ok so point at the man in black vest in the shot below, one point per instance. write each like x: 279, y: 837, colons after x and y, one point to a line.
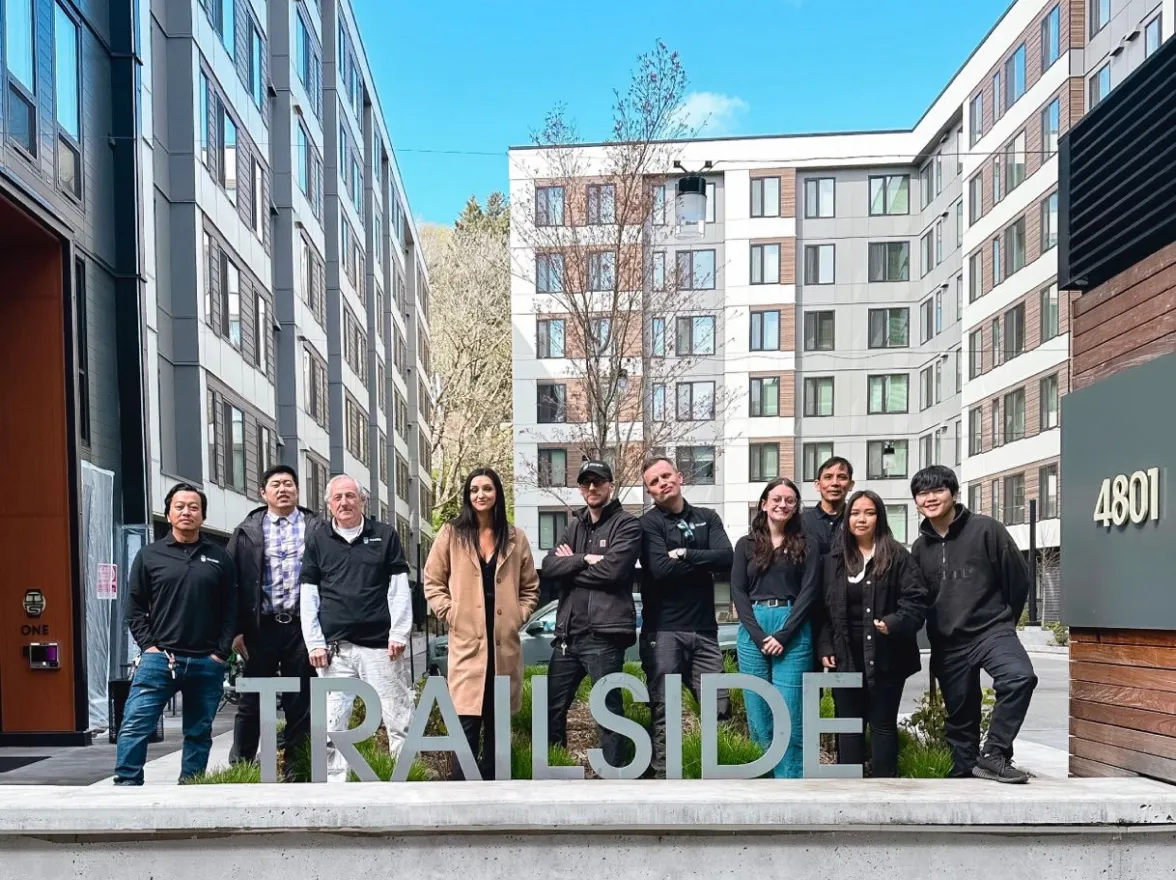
x: 267, y: 551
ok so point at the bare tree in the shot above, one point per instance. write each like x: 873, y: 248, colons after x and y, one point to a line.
x: 469, y: 270
x: 617, y: 307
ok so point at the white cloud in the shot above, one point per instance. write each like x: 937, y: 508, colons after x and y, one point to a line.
x: 711, y: 113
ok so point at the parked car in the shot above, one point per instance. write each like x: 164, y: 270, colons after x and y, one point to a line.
x: 538, y: 633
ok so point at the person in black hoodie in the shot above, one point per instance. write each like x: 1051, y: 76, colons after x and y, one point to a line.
x: 597, y: 618
x: 876, y: 600
x: 684, y: 547
x: 982, y: 583
x: 267, y: 550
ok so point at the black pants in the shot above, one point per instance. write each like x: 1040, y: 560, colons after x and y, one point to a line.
x: 595, y: 656
x: 957, y: 667
x: 276, y: 649
x: 877, y: 706
x: 688, y: 654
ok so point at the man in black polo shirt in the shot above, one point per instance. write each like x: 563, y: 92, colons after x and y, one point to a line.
x: 683, y: 548
x: 357, y: 613
x: 824, y: 520
x: 182, y: 614
x: 267, y: 552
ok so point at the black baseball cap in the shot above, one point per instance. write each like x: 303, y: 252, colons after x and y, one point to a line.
x: 597, y: 469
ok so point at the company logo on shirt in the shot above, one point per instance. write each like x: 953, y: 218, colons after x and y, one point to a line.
x: 603, y: 543
x: 204, y: 558
x: 372, y: 540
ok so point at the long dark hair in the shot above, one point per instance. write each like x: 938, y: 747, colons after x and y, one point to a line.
x: 761, y: 533
x: 465, y: 524
x: 886, y: 548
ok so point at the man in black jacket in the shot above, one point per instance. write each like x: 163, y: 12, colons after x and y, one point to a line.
x: 826, y: 518
x: 182, y: 614
x: 684, y: 548
x: 267, y: 551
x: 597, y: 619
x: 982, y: 584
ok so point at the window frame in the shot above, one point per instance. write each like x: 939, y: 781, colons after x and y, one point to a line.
x: 1049, y: 387
x: 695, y: 335
x: 693, y: 402
x: 871, y: 474
x: 813, y: 386
x: 755, y: 469
x: 558, y: 400
x: 600, y: 204
x: 760, y: 397
x: 813, y: 455
x: 758, y: 341
x: 761, y: 184
x: 815, y: 183
x: 887, y: 380
x: 886, y: 249
x: 902, y: 182
x: 818, y: 317
x: 690, y: 469
x: 887, y: 310
x: 818, y: 250
x: 761, y: 260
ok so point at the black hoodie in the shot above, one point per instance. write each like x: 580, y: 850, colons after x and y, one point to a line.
x: 977, y: 572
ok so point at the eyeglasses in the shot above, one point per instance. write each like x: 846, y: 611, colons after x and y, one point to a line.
x: 687, y: 531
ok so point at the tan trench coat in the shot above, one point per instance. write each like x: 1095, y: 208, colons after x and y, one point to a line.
x: 453, y: 587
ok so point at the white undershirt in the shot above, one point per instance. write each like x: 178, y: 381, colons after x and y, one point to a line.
x: 866, y: 557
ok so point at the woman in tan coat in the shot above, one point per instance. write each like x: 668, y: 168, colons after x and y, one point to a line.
x: 481, y: 577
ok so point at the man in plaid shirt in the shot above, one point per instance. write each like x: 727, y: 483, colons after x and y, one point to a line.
x: 267, y: 550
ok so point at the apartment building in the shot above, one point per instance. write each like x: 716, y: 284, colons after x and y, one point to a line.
x: 287, y: 301
x: 886, y: 296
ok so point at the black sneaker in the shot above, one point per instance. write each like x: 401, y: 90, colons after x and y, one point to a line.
x: 999, y: 769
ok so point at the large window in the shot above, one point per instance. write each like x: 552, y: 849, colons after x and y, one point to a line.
x: 553, y: 467
x: 657, y: 336
x: 1050, y: 313
x: 1051, y: 27
x: 1014, y: 499
x: 697, y: 464
x: 1014, y: 332
x: 764, y: 462
x: 1100, y: 15
x: 890, y: 261
x: 1014, y: 416
x: 1047, y: 489
x: 1100, y: 84
x: 997, y: 263
x: 549, y: 206
x: 696, y: 270
x: 889, y: 328
x: 231, y: 328
x: 818, y: 396
x: 928, y: 252
x: 1051, y: 122
x: 1015, y: 162
x: 551, y: 527
x: 765, y: 331
x: 815, y: 455
x: 1049, y: 222
x: 975, y: 497
x: 695, y: 401
x: 976, y: 119
x: 657, y: 396
x: 695, y: 335
x: 602, y: 204
x: 602, y: 271
x: 1015, y: 246
x: 303, y: 149
x: 1015, y: 76
x: 256, y: 68
x: 976, y: 198
x: 975, y: 354
x: 67, y: 85
x: 888, y: 394
x: 890, y: 194
x: 1049, y: 402
x: 553, y: 404
x: 551, y: 336
x: 765, y: 397
x: 549, y: 273
x: 19, y: 42
x: 224, y: 20
x: 975, y: 431
x: 819, y: 197
x: 765, y: 264
x: 819, y: 331
x: 765, y: 197
x: 235, y: 460
x: 819, y: 263
x: 886, y: 460
x: 1152, y: 35
x: 264, y: 332
x: 227, y: 166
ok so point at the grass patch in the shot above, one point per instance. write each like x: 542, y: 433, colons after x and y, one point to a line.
x: 383, y: 764
x: 735, y: 747
x: 521, y: 754
x: 235, y: 774
x: 921, y: 760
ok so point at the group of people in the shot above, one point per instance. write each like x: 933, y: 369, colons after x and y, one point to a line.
x: 298, y: 595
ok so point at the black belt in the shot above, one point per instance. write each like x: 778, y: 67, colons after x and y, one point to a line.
x: 772, y: 603
x: 282, y: 616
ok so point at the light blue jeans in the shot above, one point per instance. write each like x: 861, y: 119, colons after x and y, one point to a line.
x: 786, y: 673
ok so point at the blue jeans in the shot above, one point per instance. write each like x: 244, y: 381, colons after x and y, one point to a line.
x: 786, y: 673
x: 201, y: 682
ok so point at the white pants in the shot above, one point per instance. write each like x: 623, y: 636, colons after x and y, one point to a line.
x: 388, y: 677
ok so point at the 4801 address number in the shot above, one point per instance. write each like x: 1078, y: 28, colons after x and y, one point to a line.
x: 1123, y: 497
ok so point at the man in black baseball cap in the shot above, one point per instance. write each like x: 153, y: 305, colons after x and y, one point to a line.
x: 597, y: 619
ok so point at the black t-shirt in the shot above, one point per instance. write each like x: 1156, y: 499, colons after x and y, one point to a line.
x: 824, y: 527
x: 678, y: 595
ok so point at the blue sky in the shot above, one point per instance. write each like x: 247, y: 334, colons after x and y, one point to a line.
x: 463, y: 80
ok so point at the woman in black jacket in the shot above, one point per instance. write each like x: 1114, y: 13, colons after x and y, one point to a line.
x: 876, y: 600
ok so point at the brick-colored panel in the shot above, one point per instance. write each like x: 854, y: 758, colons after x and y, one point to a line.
x: 577, y: 402
x: 1074, y: 23
x: 1077, y: 103
x: 788, y: 328
x: 993, y: 433
x: 788, y: 261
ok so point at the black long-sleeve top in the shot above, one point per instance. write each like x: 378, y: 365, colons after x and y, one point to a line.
x: 183, y: 598
x: 799, y: 583
x: 678, y: 595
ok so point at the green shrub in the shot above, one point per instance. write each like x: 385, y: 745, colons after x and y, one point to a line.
x: 928, y: 721
x: 234, y: 774
x: 734, y: 747
x: 1061, y: 633
x: 738, y: 704
x: 521, y: 753
x: 919, y: 760
x: 828, y: 710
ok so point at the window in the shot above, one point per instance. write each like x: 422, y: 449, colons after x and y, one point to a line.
x: 659, y: 205
x: 997, y: 180
x: 890, y: 195
x: 695, y: 335
x: 938, y: 311
x: 264, y: 333
x: 402, y: 478
x: 975, y: 431
x: 927, y: 313
x: 20, y: 42
x: 818, y: 263
x: 1014, y: 416
x: 959, y: 148
x: 599, y: 336
x: 975, y: 493
x: 1051, y: 121
x: 659, y: 270
x: 224, y: 20
x: 1051, y: 312
x: 1014, y: 332
x: 1049, y: 402
x: 1049, y: 222
x: 258, y: 200
x: 1015, y: 162
x: 818, y: 396
x: 939, y: 380
x: 765, y: 331
x: 959, y: 285
x: 697, y: 464
x: 553, y: 467
x: 549, y: 206
x: 1050, y: 38
x: 227, y: 167
x: 889, y: 328
x: 975, y: 278
x: 976, y: 197
x: 928, y: 253
x: 696, y: 401
x: 1100, y: 84
x: 551, y: 527
x: 975, y: 354
x: 658, y: 397
x: 551, y: 335
x: 549, y: 273
x: 696, y: 270
x: 888, y: 394
x: 553, y: 404
x: 896, y: 518
x: 765, y: 397
x: 265, y: 451
x: 819, y: 331
x: 602, y: 204
x: 1014, y: 499
x: 315, y: 384
x: 65, y: 54
x: 711, y: 203
x: 256, y: 80
x: 938, y: 173
x: 235, y: 460
x: 890, y: 261
x: 765, y: 264
x: 886, y: 460
x: 997, y: 344
x: 819, y: 197
x: 976, y: 118
x: 925, y: 389
x: 1152, y: 36
x: 938, y: 242
x: 1047, y: 489
x: 815, y: 455
x: 1100, y: 14
x: 926, y: 184
x: 959, y: 442
x: 959, y: 222
x: 925, y: 453
x: 1015, y: 75
x: 765, y: 462
x: 657, y: 333
x: 303, y: 159
x: 997, y: 265
x: 231, y: 328
x: 83, y: 350
x: 1015, y: 246
x: 765, y: 197
x: 997, y: 97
